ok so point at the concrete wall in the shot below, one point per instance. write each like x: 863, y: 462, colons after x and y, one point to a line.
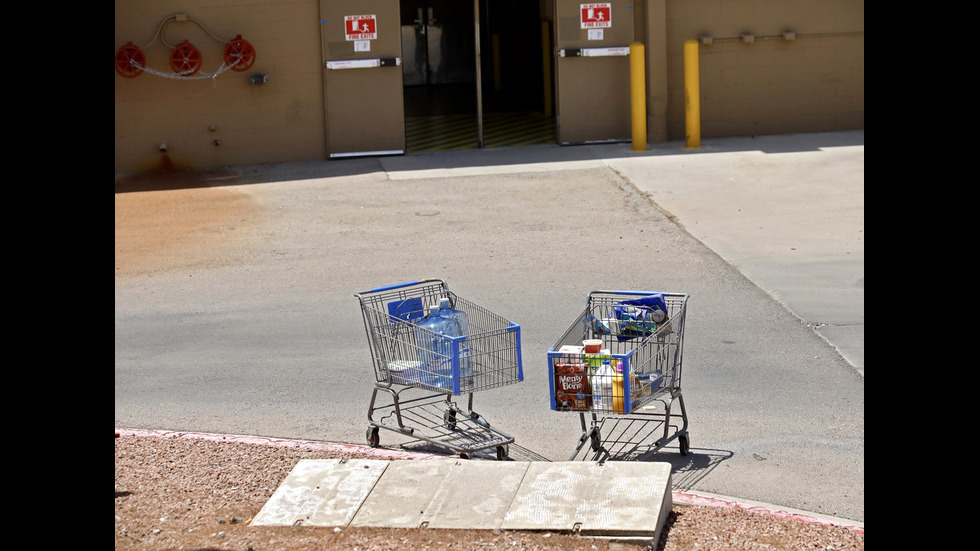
x: 814, y: 83
x: 282, y: 120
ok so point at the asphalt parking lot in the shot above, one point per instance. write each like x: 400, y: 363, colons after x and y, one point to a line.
x: 243, y: 320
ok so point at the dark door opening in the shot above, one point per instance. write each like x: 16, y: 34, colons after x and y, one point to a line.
x: 450, y: 103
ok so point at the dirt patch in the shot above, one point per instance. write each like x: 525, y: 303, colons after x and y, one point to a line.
x: 166, y: 229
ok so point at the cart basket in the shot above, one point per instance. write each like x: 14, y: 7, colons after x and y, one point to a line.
x: 488, y: 356
x: 641, y: 332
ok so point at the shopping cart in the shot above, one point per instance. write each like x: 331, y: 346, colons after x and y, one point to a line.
x: 642, y: 332
x: 489, y: 356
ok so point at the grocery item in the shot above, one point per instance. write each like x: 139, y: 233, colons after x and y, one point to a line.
x: 592, y: 346
x: 638, y: 317
x: 458, y: 316
x: 462, y: 329
x: 595, y: 325
x: 435, y: 351
x: 602, y: 387
x: 617, y: 390
x: 643, y: 385
x: 595, y: 360
x: 570, y: 353
x: 654, y: 304
x: 634, y: 382
x: 572, y: 391
x: 404, y: 372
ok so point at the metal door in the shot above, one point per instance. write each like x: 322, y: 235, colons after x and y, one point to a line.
x: 593, y: 70
x: 362, y: 77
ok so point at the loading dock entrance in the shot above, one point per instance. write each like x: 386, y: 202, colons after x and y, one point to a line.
x: 476, y: 74
x: 421, y: 75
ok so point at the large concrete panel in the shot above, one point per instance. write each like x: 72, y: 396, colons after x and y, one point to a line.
x: 613, y: 498
x: 402, y: 496
x: 322, y: 492
x: 476, y: 494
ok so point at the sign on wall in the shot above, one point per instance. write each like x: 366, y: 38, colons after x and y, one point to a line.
x: 595, y: 16
x: 361, y: 27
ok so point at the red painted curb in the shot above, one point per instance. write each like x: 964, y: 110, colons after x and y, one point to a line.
x: 690, y: 498
x: 374, y: 453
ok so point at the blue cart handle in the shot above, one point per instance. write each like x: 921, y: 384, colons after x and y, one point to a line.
x: 646, y: 293
x: 398, y: 286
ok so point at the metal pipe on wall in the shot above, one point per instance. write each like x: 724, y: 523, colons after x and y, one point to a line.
x: 479, y: 74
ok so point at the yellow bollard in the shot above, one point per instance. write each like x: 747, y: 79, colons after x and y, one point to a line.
x: 638, y: 96
x: 692, y: 94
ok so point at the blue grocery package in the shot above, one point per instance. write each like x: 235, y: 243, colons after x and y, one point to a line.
x: 640, y: 317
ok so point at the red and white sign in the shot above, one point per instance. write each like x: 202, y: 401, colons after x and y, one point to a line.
x: 361, y: 27
x: 596, y: 16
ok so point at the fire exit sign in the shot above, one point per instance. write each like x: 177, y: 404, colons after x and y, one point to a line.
x: 361, y: 27
x: 596, y: 15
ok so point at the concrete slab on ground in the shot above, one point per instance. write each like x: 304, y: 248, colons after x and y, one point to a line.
x: 611, y: 499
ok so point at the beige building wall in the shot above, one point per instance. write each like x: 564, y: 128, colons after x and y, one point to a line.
x: 814, y: 83
x: 226, y: 120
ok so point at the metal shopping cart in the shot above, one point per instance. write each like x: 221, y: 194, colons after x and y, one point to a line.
x: 488, y: 356
x: 643, y: 334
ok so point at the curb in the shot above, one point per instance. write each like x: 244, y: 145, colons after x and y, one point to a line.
x: 373, y: 453
x: 679, y: 497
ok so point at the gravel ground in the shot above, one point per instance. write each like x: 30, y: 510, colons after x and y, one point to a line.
x: 176, y: 492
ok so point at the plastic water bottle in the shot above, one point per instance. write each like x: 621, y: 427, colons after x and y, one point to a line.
x: 602, y: 387
x: 458, y: 315
x: 435, y: 352
x: 462, y: 329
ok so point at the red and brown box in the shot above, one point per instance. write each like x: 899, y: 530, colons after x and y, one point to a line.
x: 572, y: 392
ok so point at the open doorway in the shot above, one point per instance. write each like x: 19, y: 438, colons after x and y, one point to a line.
x: 451, y: 101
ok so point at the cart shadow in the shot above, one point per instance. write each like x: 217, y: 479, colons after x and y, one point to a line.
x: 687, y: 470
x: 515, y: 452
x: 644, y: 438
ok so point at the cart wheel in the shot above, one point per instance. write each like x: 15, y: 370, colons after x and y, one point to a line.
x: 596, y: 440
x: 464, y: 455
x: 373, y: 439
x: 684, y: 442
x: 502, y: 453
x: 449, y: 419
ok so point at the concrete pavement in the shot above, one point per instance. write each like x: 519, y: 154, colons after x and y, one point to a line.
x: 787, y: 211
x: 794, y: 226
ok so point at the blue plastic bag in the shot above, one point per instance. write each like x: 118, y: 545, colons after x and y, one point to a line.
x: 640, y: 317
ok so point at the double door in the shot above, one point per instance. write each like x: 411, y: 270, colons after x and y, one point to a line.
x: 488, y: 54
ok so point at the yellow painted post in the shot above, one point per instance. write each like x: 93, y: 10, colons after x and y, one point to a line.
x: 638, y: 95
x: 692, y: 94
